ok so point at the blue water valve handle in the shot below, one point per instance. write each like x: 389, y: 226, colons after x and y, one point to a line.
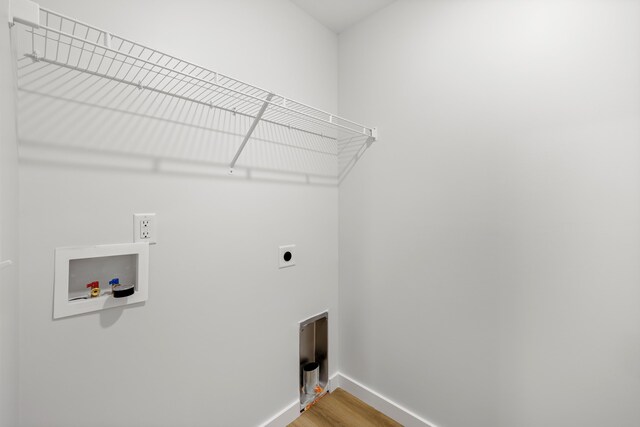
x: 115, y: 281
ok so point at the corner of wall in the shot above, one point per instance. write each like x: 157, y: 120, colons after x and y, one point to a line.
x: 9, y: 385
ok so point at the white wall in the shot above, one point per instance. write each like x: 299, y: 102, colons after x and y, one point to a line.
x: 8, y: 234
x: 217, y: 341
x: 489, y: 242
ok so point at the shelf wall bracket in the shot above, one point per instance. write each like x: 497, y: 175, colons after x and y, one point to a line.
x: 24, y: 11
x: 250, y: 131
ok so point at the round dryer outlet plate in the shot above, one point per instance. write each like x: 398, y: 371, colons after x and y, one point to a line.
x: 286, y: 256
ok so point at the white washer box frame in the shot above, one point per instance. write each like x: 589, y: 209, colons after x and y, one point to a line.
x: 62, y: 307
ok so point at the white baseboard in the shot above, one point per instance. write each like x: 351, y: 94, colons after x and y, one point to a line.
x: 291, y: 412
x: 284, y: 417
x: 381, y: 403
x: 362, y: 392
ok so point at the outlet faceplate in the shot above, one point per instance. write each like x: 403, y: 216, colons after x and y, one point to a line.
x: 144, y: 228
x: 286, y: 256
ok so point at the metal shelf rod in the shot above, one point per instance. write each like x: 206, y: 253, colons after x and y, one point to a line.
x: 218, y: 75
x: 100, y: 67
x: 161, y: 92
x: 224, y: 88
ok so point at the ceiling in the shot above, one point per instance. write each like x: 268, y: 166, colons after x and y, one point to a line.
x: 338, y: 15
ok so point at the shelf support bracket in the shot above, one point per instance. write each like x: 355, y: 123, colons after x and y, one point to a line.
x: 25, y: 12
x: 256, y: 120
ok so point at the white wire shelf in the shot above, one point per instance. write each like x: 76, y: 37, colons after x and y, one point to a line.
x: 52, y: 41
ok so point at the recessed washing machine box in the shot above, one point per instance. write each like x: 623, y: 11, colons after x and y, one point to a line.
x: 92, y: 278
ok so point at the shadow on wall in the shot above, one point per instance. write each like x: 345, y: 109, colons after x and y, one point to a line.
x: 74, y: 118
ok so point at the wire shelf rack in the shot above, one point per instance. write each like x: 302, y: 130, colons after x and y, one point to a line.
x: 57, y: 42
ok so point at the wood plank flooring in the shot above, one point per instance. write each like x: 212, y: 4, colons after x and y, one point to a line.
x: 341, y: 409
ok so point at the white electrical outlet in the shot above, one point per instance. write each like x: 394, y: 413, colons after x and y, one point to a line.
x: 286, y: 256
x: 144, y: 228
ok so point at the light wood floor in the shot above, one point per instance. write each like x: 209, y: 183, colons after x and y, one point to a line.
x: 341, y: 409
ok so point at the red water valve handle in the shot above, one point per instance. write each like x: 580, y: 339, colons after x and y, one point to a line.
x: 93, y: 285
